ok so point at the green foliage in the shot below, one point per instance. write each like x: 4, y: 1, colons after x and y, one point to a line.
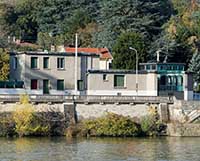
x: 117, y: 16
x: 151, y: 126
x: 169, y: 25
x: 194, y: 67
x: 4, y: 64
x: 181, y: 37
x: 124, y: 58
x: 7, y: 125
x: 44, y: 40
x: 111, y: 125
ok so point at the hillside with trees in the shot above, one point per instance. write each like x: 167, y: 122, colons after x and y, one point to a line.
x: 172, y: 26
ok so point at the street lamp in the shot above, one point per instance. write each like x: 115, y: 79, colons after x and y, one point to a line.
x: 136, y: 68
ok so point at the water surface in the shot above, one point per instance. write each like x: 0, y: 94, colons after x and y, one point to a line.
x: 100, y: 149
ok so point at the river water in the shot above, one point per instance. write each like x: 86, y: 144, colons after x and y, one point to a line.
x: 100, y: 149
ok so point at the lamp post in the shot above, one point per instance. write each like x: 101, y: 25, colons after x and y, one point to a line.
x: 136, y: 68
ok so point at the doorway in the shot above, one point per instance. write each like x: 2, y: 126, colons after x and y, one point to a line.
x: 46, y: 86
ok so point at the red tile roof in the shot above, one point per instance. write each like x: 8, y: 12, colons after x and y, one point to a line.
x: 103, y: 52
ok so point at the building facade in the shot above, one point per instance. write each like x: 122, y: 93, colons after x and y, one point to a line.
x: 122, y: 82
x: 54, y: 72
x: 57, y: 73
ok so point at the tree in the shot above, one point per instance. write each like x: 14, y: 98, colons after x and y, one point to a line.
x: 4, y: 64
x: 194, y: 67
x: 78, y: 21
x: 181, y: 35
x: 51, y: 14
x: 117, y: 16
x: 124, y: 58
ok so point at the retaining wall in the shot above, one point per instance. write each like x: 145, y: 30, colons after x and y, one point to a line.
x: 85, y: 111
x: 183, y: 129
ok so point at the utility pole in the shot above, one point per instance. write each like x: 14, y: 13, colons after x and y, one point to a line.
x: 136, y: 68
x: 76, y: 63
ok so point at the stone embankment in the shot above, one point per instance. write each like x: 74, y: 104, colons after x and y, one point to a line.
x: 183, y: 130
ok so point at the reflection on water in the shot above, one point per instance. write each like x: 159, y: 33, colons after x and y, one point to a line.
x: 100, y: 149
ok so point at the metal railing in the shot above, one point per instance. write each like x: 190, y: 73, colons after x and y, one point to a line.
x: 88, y: 98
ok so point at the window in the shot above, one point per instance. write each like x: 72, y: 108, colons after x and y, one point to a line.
x: 153, y: 67
x: 34, y: 84
x: 46, y: 62
x: 60, y: 85
x: 119, y: 81
x: 80, y: 85
x: 163, y: 80
x: 15, y: 63
x: 60, y: 63
x: 34, y: 62
x: 105, y: 77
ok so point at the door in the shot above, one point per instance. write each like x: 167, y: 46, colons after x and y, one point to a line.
x: 46, y: 86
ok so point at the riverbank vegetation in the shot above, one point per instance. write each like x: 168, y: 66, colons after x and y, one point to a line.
x: 113, y: 125
x: 25, y: 121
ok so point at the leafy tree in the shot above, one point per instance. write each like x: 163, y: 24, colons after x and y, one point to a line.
x: 44, y: 40
x: 124, y: 58
x: 4, y: 65
x: 181, y: 36
x: 78, y: 20
x: 194, y: 67
x: 51, y: 14
x: 117, y: 16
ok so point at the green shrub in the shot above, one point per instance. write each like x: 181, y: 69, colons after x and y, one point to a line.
x: 151, y: 126
x: 111, y: 125
x: 7, y: 125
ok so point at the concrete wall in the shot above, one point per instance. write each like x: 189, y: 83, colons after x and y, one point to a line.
x: 85, y: 111
x: 188, y: 86
x: 19, y: 72
x: 104, y: 64
x: 181, y: 110
x: 147, y: 84
x: 183, y: 129
x: 42, y: 107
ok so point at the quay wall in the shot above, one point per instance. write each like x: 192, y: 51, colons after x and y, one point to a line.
x: 85, y: 111
x: 183, y: 129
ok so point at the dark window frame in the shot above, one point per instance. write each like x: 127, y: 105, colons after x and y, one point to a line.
x: 61, y: 63
x: 60, y: 87
x: 46, y: 60
x: 15, y: 63
x: 80, y: 85
x: 33, y: 64
x: 118, y: 84
x: 34, y: 84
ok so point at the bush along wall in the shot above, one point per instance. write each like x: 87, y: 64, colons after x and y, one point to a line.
x: 24, y: 121
x: 114, y: 125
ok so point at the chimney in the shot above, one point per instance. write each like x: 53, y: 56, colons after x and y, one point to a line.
x: 158, y: 55
x: 53, y: 48
x: 61, y: 48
